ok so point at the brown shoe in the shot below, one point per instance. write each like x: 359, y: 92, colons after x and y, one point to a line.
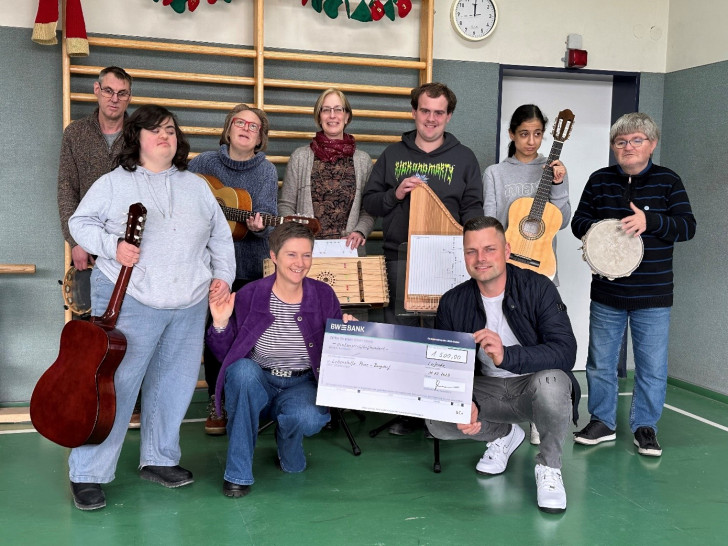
x: 215, y: 425
x: 136, y: 418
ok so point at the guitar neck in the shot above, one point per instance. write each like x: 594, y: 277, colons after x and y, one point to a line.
x: 238, y: 215
x: 108, y: 319
x: 544, y: 186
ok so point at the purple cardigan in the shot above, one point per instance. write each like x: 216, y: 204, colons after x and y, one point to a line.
x: 251, y: 317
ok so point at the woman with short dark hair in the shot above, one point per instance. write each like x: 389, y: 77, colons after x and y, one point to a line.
x: 186, y: 253
x: 269, y: 337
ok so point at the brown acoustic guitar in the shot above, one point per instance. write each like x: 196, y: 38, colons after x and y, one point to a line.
x: 533, y: 222
x: 74, y: 401
x: 237, y: 206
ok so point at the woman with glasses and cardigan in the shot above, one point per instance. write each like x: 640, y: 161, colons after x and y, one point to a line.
x: 326, y: 178
x: 241, y: 163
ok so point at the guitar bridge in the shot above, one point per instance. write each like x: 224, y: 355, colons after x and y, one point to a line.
x: 525, y: 260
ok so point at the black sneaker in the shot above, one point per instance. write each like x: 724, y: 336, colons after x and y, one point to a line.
x: 646, y: 442
x: 594, y: 433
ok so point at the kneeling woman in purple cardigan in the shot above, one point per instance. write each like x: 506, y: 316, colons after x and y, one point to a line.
x: 269, y: 338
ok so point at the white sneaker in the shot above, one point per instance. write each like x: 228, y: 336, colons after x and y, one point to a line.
x: 535, y: 436
x: 495, y: 458
x: 550, y: 492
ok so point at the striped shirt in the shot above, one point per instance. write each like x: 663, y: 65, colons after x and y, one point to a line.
x: 660, y: 194
x: 281, y: 345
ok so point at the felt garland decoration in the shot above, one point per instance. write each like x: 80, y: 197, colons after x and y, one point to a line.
x: 180, y: 5
x: 365, y: 11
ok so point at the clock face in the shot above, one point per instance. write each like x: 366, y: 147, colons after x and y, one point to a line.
x: 474, y: 19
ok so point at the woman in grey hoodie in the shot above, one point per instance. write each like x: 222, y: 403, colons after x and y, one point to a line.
x: 519, y: 175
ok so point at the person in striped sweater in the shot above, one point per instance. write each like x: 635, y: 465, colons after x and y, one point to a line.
x: 651, y: 203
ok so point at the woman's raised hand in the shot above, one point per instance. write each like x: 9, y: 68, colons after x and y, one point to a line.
x: 221, y: 309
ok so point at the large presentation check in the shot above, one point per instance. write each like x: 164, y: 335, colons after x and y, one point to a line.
x: 419, y: 372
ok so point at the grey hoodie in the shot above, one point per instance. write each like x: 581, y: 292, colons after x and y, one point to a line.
x: 186, y: 239
x: 512, y: 179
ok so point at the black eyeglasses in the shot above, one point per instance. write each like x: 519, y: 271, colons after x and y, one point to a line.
x: 635, y: 142
x: 108, y: 92
x: 326, y: 110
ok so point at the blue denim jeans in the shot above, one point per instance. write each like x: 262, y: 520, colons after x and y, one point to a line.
x: 163, y: 353
x: 543, y: 398
x: 650, y: 331
x: 251, y: 393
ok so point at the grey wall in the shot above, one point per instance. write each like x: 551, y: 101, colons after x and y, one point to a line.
x: 31, y: 311
x: 693, y: 145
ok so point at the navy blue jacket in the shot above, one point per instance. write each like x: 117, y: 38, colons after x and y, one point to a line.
x: 536, y: 315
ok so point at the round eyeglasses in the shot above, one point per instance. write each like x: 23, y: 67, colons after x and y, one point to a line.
x: 244, y: 124
x: 635, y: 142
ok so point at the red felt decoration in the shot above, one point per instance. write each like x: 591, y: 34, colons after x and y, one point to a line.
x: 377, y: 9
x: 192, y: 4
x: 403, y: 7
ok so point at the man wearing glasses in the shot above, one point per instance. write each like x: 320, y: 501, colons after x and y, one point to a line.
x: 88, y: 150
x: 651, y: 203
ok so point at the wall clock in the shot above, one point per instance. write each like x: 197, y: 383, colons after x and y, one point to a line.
x: 474, y: 19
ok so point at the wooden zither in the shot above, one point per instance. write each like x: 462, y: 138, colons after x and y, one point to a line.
x: 428, y: 216
x: 356, y: 281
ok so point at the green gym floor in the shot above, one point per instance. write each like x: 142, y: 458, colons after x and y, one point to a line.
x: 389, y: 495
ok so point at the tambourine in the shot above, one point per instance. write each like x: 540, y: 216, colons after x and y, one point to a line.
x: 610, y: 251
x: 76, y: 287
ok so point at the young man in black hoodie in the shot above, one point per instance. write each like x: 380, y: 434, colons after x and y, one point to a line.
x: 427, y: 155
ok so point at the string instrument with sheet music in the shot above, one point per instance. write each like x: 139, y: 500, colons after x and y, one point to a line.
x: 237, y: 206
x: 356, y: 281
x: 74, y: 401
x: 428, y: 216
x: 532, y: 221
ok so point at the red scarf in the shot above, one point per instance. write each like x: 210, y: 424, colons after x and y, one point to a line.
x: 328, y: 151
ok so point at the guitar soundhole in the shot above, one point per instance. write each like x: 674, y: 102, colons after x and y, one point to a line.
x: 326, y: 276
x: 531, y: 229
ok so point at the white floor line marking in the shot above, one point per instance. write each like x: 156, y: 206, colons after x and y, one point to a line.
x: 620, y: 394
x: 696, y: 417
x: 680, y: 411
x: 27, y: 430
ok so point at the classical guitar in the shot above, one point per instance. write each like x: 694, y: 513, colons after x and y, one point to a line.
x: 532, y: 221
x: 74, y: 401
x: 238, y: 207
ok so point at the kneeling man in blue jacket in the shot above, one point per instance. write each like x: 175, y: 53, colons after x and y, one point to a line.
x: 526, y: 351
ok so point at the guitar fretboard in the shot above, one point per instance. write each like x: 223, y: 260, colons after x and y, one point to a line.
x: 238, y: 215
x: 544, y: 186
